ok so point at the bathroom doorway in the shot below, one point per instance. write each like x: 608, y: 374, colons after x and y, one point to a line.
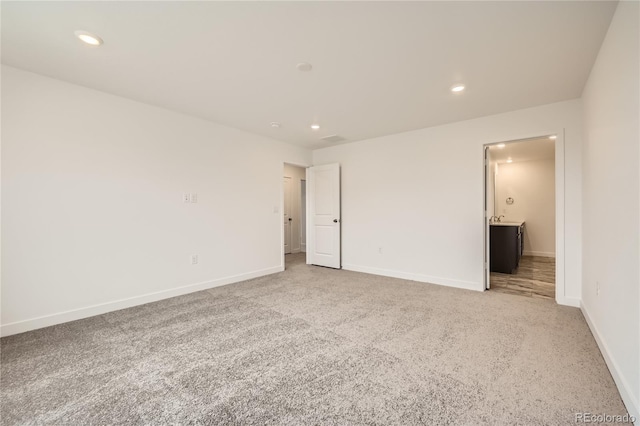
x: 294, y: 231
x: 520, y: 208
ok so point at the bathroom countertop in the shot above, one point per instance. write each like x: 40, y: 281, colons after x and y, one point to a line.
x: 507, y: 223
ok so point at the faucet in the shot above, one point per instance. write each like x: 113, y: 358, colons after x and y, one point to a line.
x: 495, y: 219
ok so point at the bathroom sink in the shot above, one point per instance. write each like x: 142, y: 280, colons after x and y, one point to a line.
x: 507, y: 223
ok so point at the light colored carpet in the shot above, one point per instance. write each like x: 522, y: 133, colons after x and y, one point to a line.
x: 313, y: 346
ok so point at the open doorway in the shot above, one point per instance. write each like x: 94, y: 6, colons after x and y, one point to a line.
x: 520, y: 208
x: 294, y: 214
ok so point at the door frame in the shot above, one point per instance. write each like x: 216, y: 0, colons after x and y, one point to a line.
x: 284, y: 224
x: 281, y: 209
x: 561, y: 297
x: 487, y: 253
x: 303, y: 214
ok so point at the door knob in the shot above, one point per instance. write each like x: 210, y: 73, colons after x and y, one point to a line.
x: 335, y: 220
x: 290, y: 219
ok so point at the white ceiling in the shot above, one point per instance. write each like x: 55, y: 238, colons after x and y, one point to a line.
x: 528, y: 150
x: 378, y: 67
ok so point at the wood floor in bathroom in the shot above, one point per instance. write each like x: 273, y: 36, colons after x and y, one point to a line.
x: 535, y: 277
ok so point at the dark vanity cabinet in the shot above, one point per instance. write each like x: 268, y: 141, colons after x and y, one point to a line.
x: 506, y: 247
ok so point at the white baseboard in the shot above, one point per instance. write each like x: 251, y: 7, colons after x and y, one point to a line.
x: 631, y: 401
x: 467, y: 285
x: 103, y: 308
x: 568, y: 301
x: 538, y: 253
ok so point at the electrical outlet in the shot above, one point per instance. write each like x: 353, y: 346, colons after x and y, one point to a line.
x: 194, y: 198
x: 379, y: 250
x: 597, y: 288
x: 186, y: 197
x: 194, y: 259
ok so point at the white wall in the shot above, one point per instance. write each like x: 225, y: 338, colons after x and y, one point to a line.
x: 93, y: 217
x: 297, y: 175
x: 531, y: 184
x: 611, y: 202
x: 419, y: 196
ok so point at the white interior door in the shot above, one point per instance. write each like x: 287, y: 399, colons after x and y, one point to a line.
x: 323, y: 224
x: 488, y: 210
x: 287, y: 215
x: 303, y: 215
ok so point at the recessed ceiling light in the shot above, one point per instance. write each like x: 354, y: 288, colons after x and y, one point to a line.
x: 457, y: 88
x: 315, y: 127
x: 552, y: 137
x: 88, y: 38
x: 304, y: 66
x: 275, y: 124
x: 500, y: 145
x: 509, y: 160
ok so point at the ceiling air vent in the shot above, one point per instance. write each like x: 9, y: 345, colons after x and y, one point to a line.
x: 333, y: 138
